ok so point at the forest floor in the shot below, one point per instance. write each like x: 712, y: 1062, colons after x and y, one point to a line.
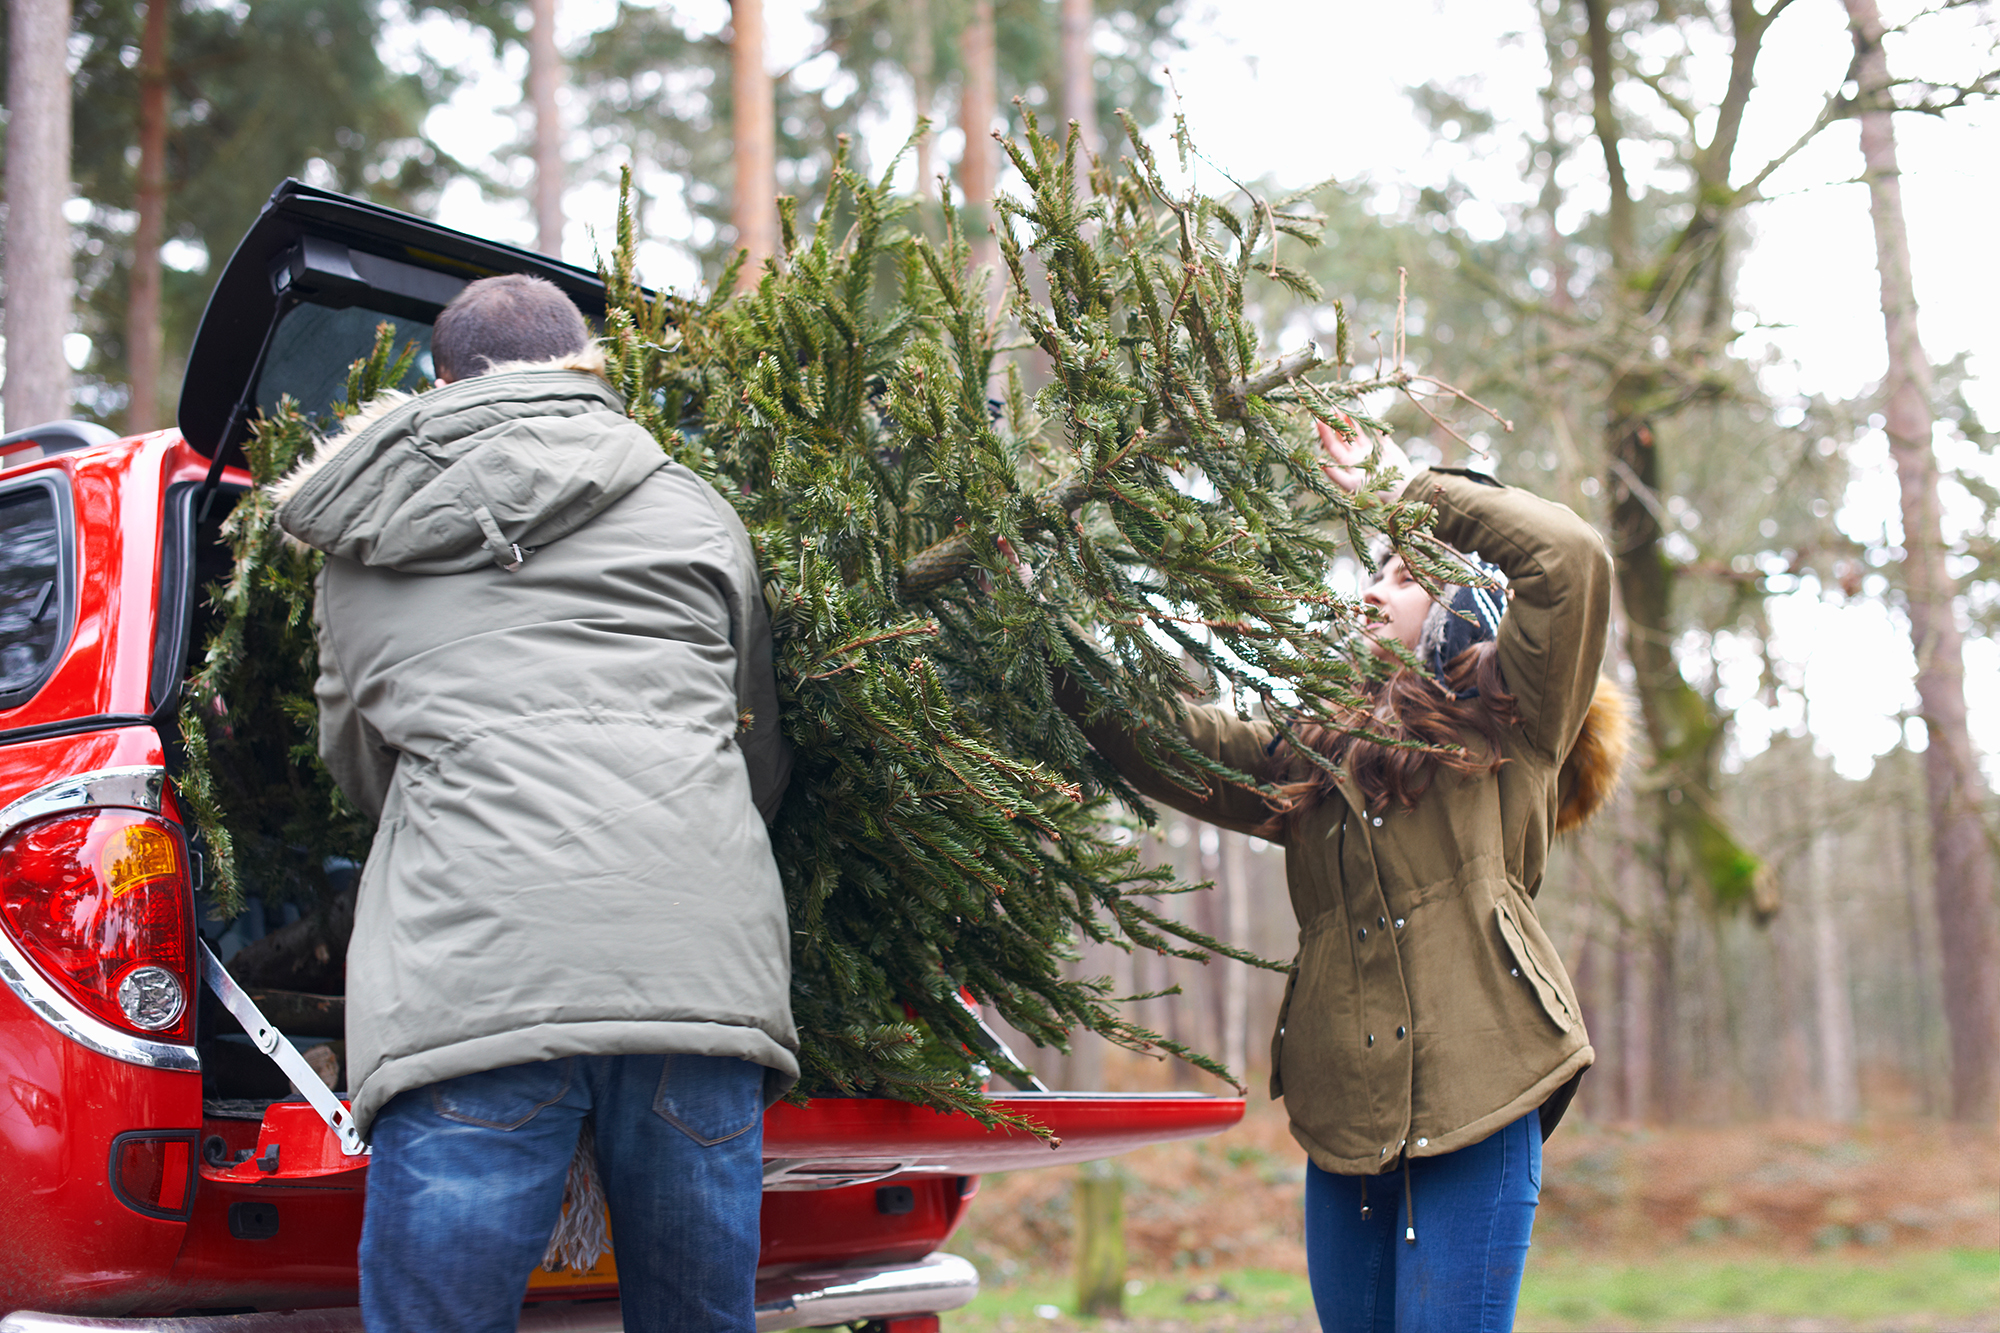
x: 1776, y: 1226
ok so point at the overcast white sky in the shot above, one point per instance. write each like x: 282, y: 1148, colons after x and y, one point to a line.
x: 1302, y: 90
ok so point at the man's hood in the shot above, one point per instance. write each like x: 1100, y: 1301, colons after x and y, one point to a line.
x: 481, y: 470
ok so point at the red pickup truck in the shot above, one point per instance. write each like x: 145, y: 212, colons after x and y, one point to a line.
x: 142, y: 1189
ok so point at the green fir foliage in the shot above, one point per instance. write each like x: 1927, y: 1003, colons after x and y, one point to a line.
x: 270, y: 815
x: 940, y: 546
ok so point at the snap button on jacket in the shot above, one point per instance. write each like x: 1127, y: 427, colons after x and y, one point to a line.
x: 1465, y: 969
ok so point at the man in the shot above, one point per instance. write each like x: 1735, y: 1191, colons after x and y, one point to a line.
x: 545, y: 667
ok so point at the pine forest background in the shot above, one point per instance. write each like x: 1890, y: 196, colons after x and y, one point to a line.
x: 1751, y: 936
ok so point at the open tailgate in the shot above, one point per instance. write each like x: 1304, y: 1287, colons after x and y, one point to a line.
x: 834, y: 1141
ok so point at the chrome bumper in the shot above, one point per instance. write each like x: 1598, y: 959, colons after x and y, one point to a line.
x: 796, y: 1300
x: 933, y: 1285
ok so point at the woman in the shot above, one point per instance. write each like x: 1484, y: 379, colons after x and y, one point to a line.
x: 1429, y: 1037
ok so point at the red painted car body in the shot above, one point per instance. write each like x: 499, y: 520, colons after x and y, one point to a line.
x: 112, y: 1207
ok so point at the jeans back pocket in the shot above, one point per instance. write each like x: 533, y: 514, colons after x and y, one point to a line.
x: 506, y: 1098
x: 710, y: 1098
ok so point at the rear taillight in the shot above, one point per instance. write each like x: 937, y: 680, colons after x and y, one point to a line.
x: 100, y: 903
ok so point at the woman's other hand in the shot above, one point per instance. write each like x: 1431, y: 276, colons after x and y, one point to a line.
x: 1346, y: 460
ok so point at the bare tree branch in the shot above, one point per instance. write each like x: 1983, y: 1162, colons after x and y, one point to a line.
x: 1834, y: 108
x: 1679, y: 105
x: 1604, y: 117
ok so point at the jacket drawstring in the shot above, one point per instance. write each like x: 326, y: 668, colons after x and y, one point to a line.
x: 1364, y: 1198
x: 1409, y: 1205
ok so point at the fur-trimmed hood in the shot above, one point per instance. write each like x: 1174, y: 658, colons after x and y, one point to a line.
x: 590, y: 361
x: 482, y: 469
x: 1592, y: 772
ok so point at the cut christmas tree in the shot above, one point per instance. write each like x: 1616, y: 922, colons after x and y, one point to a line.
x: 937, y: 543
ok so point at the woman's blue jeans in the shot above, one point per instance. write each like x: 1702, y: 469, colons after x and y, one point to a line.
x: 1475, y: 1209
x: 467, y: 1183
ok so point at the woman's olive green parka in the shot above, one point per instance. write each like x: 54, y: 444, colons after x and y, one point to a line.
x: 1427, y: 1007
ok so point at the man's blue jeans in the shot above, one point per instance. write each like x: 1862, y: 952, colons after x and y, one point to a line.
x: 467, y: 1183
x: 1475, y: 1209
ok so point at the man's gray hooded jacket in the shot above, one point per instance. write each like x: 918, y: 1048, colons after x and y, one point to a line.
x: 545, y: 666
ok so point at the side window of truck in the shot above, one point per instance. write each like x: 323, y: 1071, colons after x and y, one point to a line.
x: 33, y: 591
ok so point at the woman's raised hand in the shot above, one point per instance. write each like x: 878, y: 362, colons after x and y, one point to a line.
x: 1346, y: 459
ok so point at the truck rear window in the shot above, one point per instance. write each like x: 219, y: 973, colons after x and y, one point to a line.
x: 314, y: 346
x: 31, y: 592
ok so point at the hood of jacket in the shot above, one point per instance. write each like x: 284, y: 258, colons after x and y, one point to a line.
x: 1592, y: 770
x: 480, y: 470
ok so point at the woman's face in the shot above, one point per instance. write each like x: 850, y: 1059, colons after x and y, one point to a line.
x: 1402, y: 599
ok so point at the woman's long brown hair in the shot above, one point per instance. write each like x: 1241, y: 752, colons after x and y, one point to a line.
x: 1409, y: 708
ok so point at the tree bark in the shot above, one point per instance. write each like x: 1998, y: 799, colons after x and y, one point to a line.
x: 1962, y: 871
x: 1663, y: 1017
x: 1840, y: 1088
x: 1635, y: 1037
x: 754, y: 208
x: 1100, y: 1241
x: 923, y: 88
x: 143, y: 340
x: 1604, y: 117
x: 1684, y: 732
x: 39, y: 280
x: 1587, y: 973
x: 309, y: 955
x: 1898, y: 835
x: 1079, y: 81
x: 979, y: 105
x: 1791, y: 1081
x: 545, y: 72
x: 1788, y: 806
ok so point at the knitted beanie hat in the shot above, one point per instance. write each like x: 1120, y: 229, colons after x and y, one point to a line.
x: 1465, y: 615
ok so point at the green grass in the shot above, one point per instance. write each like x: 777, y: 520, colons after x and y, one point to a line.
x: 1564, y: 1292
x: 1572, y: 1292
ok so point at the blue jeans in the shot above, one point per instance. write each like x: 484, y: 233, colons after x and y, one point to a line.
x: 467, y: 1183
x: 1475, y: 1209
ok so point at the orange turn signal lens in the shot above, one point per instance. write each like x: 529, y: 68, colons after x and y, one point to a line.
x: 137, y: 855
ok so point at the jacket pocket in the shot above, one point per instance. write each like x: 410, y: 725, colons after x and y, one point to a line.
x: 710, y: 1098
x: 1278, y: 1033
x: 1316, y: 1060
x: 502, y: 1098
x: 1542, y: 976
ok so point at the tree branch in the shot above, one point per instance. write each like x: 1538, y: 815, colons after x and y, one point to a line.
x: 1834, y: 108
x: 1679, y: 105
x: 1714, y: 200
x: 1749, y: 27
x: 941, y: 562
x: 1605, y: 119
